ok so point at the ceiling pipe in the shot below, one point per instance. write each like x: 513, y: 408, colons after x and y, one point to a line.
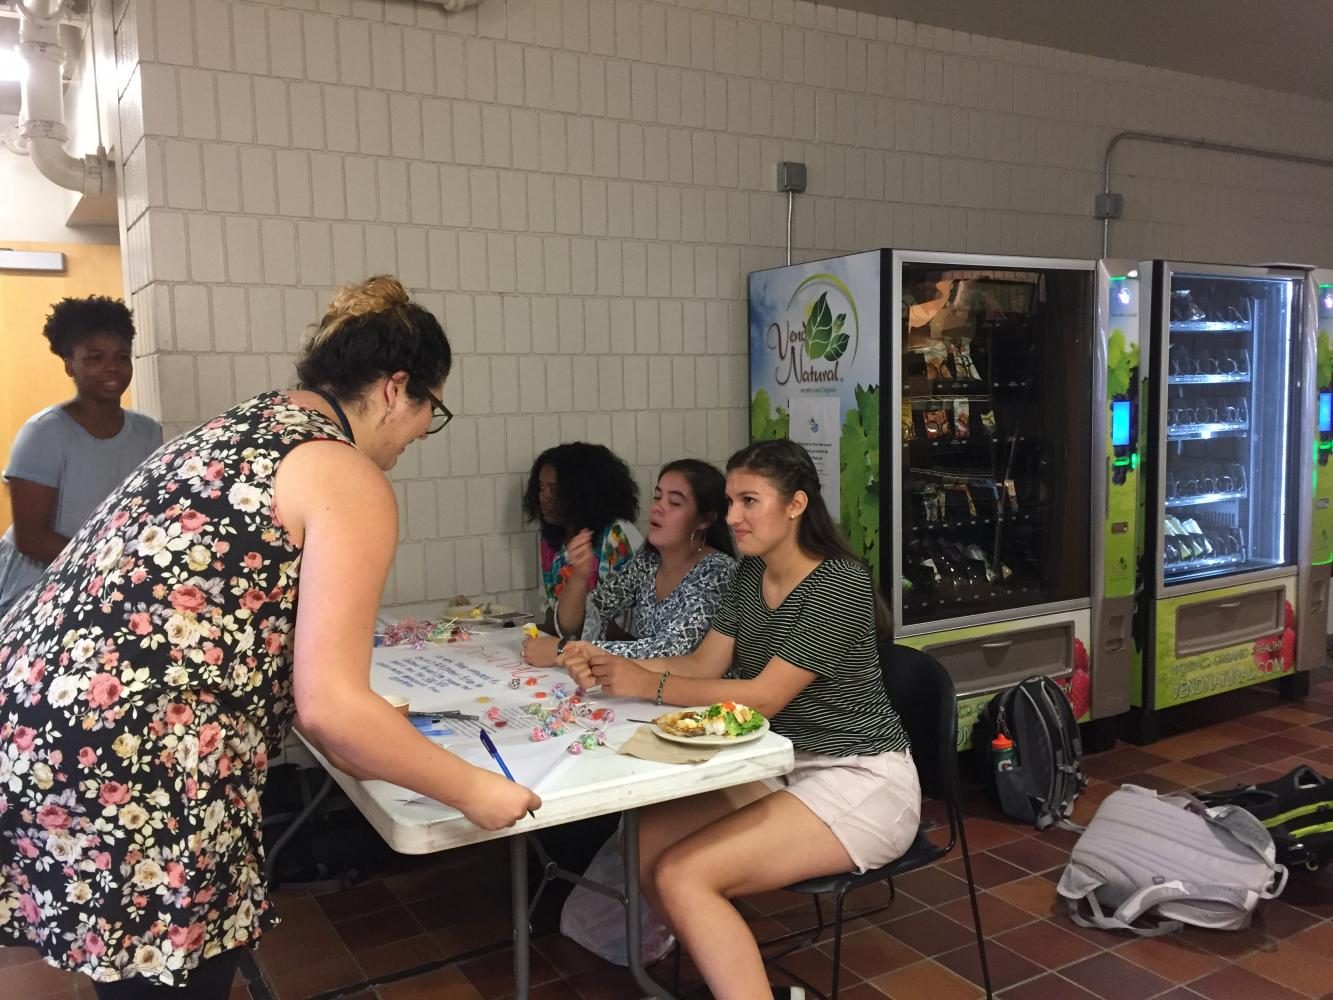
x: 42, y: 118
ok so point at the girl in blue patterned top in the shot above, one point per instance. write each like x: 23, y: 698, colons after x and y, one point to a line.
x: 581, y: 494
x: 671, y: 588
x: 797, y: 637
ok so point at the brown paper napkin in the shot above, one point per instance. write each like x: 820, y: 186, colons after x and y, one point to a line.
x: 646, y: 746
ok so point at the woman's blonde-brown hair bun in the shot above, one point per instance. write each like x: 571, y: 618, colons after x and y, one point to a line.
x: 372, y: 329
x: 379, y: 294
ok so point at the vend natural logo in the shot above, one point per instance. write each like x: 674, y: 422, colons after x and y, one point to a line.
x: 823, y: 337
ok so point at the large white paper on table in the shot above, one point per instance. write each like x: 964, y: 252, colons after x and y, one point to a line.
x: 533, y: 765
x: 435, y: 678
x: 476, y: 679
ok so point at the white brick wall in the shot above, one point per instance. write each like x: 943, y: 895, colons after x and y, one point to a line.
x: 578, y: 187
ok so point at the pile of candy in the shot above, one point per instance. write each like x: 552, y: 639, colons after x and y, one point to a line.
x: 568, y: 711
x: 418, y: 633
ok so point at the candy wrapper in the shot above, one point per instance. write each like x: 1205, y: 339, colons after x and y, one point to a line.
x: 540, y: 735
x: 576, y: 747
x: 531, y: 630
x: 417, y: 633
x: 937, y: 424
x: 961, y: 419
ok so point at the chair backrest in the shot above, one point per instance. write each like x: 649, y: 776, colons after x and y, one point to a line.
x: 922, y: 693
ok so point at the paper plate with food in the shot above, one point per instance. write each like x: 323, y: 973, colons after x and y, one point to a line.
x: 720, y: 724
x: 468, y: 611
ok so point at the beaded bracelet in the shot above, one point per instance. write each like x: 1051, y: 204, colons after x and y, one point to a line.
x: 661, y: 683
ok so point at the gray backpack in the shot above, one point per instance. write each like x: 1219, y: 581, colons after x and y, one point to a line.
x: 1149, y: 863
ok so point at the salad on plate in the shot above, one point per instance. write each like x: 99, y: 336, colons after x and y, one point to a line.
x: 724, y: 718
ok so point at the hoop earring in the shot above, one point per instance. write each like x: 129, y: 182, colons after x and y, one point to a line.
x: 703, y: 538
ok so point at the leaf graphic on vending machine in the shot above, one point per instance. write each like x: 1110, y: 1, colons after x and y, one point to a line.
x: 838, y: 341
x: 765, y: 425
x: 1121, y: 362
x: 854, y: 475
x: 1324, y: 362
x: 818, y: 327
x: 859, y: 452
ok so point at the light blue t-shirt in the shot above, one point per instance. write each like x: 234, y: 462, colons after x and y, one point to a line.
x: 52, y: 449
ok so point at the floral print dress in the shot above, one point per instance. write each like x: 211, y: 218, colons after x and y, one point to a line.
x: 143, y: 681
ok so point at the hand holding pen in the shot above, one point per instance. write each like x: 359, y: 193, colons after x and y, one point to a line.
x: 492, y: 801
x: 490, y: 749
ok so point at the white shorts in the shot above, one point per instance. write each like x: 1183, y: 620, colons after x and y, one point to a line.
x: 872, y: 804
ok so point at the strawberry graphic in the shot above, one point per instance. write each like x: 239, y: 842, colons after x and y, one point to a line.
x: 1288, y: 615
x: 1288, y: 649
x: 1078, y: 685
x: 1267, y: 652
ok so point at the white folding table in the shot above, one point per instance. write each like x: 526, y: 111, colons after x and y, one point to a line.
x: 594, y: 783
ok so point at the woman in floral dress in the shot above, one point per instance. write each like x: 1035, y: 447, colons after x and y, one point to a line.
x: 146, y: 678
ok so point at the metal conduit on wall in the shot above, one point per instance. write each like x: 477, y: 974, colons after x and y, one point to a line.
x: 1108, y: 204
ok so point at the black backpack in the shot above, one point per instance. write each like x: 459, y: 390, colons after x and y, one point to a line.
x: 1047, y: 774
x: 1297, y: 809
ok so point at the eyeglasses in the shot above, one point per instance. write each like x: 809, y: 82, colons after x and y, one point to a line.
x: 440, y: 414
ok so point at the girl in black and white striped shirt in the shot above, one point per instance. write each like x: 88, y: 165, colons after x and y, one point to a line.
x: 797, y: 637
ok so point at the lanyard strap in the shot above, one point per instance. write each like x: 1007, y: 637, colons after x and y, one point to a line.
x: 342, y: 417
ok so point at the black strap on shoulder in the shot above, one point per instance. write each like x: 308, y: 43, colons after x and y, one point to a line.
x: 342, y: 417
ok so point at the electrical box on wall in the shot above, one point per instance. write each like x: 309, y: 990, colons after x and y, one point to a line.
x: 791, y: 177
x: 1108, y: 206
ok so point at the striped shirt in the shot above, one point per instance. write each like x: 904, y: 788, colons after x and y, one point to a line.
x: 826, y: 625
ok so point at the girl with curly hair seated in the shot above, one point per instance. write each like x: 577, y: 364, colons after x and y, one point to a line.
x: 584, y: 501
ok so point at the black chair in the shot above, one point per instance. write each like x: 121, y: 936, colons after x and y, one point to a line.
x: 923, y: 695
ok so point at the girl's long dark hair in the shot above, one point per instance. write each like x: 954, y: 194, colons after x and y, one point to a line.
x: 789, y: 468
x: 710, y: 497
x: 593, y: 488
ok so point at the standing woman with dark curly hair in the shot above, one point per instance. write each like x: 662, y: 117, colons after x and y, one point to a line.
x: 584, y: 500
x: 68, y: 457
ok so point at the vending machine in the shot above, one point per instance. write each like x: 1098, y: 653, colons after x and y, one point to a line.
x: 1233, y: 568
x: 975, y: 423
x: 1313, y: 643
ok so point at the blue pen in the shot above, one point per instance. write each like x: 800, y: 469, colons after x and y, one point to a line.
x: 490, y: 749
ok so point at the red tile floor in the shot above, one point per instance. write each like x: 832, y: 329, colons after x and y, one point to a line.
x: 358, y: 942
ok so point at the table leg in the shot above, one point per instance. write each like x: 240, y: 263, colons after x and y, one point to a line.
x: 271, y: 856
x: 633, y: 920
x: 518, y: 887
